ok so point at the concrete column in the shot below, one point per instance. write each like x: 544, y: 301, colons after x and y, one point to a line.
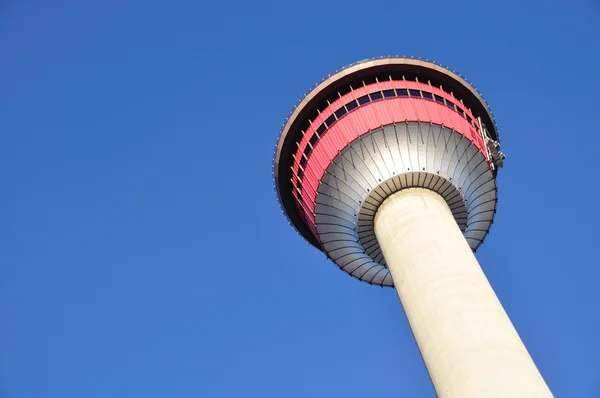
x: 467, y: 341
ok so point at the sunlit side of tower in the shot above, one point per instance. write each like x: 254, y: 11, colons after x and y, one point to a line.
x: 389, y: 167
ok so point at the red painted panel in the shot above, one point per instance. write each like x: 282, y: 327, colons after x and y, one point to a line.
x: 363, y: 90
x: 387, y: 84
x: 360, y: 91
x: 346, y: 128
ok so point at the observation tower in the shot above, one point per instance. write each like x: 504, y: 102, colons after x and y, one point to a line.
x: 389, y: 167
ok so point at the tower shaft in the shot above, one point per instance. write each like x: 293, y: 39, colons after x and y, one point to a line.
x: 466, y: 339
x: 389, y: 167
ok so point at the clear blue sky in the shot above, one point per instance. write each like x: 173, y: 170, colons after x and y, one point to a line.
x: 142, y: 251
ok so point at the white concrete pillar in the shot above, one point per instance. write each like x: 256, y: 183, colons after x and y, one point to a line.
x: 467, y: 341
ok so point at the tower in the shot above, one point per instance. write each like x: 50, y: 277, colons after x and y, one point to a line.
x: 389, y: 167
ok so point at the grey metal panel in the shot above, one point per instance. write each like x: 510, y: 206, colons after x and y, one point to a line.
x: 345, y: 192
x: 464, y: 150
x: 385, y: 161
x: 412, y: 137
x: 334, y: 207
x: 343, y: 244
x: 335, y: 235
x: 326, y: 229
x: 394, y: 147
x: 333, y: 220
x: 380, y: 276
x: 350, y: 259
x: 370, y: 271
x: 387, y: 138
x: 403, y: 145
x: 384, y: 151
x: 353, y: 160
x: 387, y: 281
x: 422, y: 141
x: 376, y: 146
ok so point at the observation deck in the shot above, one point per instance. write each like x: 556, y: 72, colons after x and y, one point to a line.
x: 372, y: 129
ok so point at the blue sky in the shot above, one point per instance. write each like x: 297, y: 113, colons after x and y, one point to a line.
x: 142, y: 251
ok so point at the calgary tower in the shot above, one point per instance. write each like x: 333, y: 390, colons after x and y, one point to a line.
x: 389, y: 167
